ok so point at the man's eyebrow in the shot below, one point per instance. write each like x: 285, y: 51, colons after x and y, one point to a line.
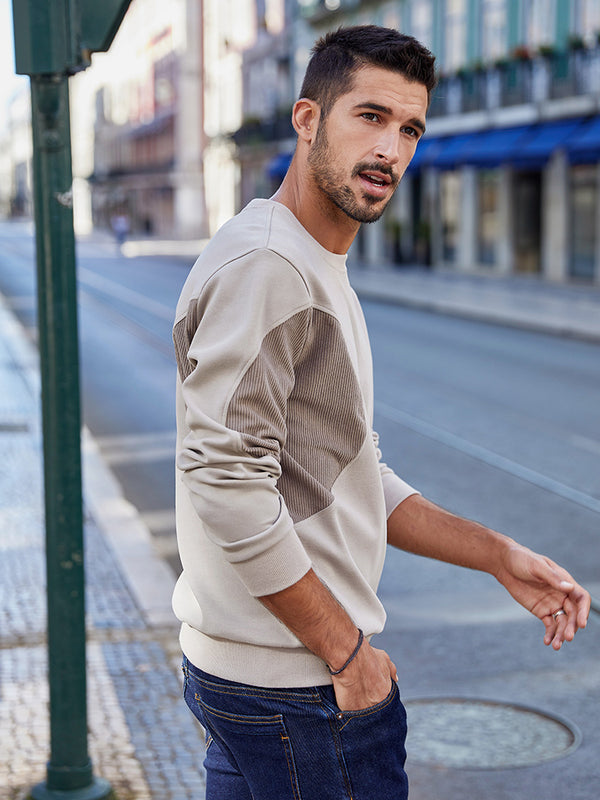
x: 415, y: 122
x: 374, y: 107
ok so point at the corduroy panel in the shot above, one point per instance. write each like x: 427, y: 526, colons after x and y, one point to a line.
x: 258, y: 408
x: 183, y: 333
x: 304, y: 405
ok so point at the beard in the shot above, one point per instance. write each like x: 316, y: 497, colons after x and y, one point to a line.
x: 331, y: 183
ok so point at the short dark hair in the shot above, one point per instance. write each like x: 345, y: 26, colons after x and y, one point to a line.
x: 337, y: 56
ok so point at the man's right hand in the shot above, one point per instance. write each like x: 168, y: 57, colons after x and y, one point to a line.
x: 312, y: 613
x: 366, y: 681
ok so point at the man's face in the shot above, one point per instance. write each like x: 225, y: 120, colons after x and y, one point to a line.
x: 364, y: 145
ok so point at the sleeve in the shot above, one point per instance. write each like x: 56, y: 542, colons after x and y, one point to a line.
x: 395, y: 490
x: 245, y: 333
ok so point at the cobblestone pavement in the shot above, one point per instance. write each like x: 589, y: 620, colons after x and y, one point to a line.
x: 142, y: 738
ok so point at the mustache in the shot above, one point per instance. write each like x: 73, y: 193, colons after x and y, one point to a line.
x: 384, y: 169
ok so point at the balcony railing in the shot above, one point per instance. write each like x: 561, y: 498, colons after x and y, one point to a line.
x: 519, y: 81
x: 257, y: 131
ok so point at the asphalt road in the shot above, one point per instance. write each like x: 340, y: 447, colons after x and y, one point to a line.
x: 497, y: 424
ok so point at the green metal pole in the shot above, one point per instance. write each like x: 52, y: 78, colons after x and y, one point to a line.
x: 69, y: 771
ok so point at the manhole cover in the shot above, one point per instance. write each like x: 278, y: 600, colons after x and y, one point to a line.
x: 482, y: 734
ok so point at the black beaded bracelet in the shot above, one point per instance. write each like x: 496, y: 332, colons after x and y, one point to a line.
x: 352, y: 656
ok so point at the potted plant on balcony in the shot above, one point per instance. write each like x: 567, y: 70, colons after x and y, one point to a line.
x: 547, y: 51
x: 521, y: 53
x: 576, y: 42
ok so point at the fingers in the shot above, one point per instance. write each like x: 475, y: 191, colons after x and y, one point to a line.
x: 563, y: 627
x: 558, y: 630
x: 576, y: 604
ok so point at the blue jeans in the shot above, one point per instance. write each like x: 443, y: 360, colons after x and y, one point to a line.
x: 296, y: 744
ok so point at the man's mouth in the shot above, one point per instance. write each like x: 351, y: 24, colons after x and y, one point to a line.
x: 376, y: 178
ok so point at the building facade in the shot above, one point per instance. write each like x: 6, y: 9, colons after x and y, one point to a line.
x: 141, y: 102
x: 507, y: 178
x: 16, y: 154
x: 187, y: 118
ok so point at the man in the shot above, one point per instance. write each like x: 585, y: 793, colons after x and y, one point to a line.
x: 284, y: 508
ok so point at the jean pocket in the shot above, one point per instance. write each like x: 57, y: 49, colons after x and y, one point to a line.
x: 373, y: 745
x: 259, y: 747
x: 345, y: 717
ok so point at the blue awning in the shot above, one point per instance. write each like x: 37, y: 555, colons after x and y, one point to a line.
x: 544, y: 139
x: 278, y: 166
x: 523, y: 146
x: 452, y: 151
x: 584, y: 146
x: 497, y: 146
x: 426, y: 150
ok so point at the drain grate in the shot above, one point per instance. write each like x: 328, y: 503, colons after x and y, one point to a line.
x: 482, y: 734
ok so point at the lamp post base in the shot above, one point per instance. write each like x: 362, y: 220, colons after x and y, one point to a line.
x: 99, y: 789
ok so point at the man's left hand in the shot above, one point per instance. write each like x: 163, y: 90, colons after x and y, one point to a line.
x: 545, y: 588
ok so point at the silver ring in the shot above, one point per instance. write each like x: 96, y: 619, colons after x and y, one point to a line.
x: 558, y: 613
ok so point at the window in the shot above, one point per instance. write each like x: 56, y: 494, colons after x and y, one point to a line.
x: 455, y: 32
x: 538, y: 22
x: 450, y: 209
x: 586, y: 18
x: 584, y: 212
x: 493, y: 30
x: 422, y: 21
x: 487, y: 224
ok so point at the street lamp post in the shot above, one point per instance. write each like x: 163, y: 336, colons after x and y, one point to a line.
x: 69, y: 768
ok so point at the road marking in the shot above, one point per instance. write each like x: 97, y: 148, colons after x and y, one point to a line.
x: 585, y: 443
x: 487, y: 456
x: 137, y: 447
x: 130, y: 296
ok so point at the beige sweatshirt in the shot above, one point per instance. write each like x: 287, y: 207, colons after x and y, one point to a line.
x: 278, y: 468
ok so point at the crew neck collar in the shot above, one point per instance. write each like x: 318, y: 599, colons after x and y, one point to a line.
x: 335, y: 260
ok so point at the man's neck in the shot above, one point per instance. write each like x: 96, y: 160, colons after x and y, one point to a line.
x: 329, y: 225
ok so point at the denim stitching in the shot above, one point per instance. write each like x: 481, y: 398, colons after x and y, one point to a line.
x: 276, y: 719
x: 289, y: 757
x: 261, y: 693
x: 256, y: 720
x: 333, y: 727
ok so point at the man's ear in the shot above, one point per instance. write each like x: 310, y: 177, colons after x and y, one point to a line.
x: 305, y: 119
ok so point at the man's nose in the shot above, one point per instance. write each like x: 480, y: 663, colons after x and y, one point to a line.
x: 388, y: 148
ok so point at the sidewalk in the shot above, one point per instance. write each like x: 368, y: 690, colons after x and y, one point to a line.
x: 143, y: 740
x: 519, y: 301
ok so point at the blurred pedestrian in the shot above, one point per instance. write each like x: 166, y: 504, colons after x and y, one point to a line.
x: 284, y: 507
x: 120, y: 228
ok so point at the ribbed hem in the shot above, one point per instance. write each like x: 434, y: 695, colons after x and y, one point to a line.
x: 281, y: 565
x: 271, y: 667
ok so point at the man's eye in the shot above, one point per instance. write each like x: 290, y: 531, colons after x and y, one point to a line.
x: 370, y: 116
x: 411, y: 131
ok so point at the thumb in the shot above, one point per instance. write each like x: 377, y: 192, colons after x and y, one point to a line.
x: 555, y: 576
